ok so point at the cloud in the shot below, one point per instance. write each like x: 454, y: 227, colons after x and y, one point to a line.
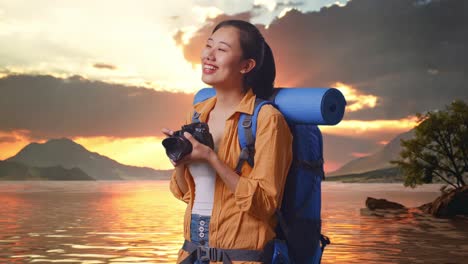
x: 7, y: 139
x: 12, y: 141
x: 51, y: 107
x: 407, y: 58
x: 197, y: 40
x: 104, y: 66
x: 383, y: 142
x: 359, y: 154
x: 109, y: 118
x: 62, y: 39
x: 422, y: 2
x: 355, y: 99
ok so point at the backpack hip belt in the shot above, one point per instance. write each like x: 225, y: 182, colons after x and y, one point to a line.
x: 218, y: 254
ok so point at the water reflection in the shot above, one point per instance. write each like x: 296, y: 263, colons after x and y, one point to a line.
x: 140, y: 222
x: 109, y: 222
x: 360, y: 236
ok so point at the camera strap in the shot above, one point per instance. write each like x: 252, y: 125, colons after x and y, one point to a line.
x: 196, y: 117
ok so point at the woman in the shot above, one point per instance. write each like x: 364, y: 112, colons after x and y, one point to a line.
x: 231, y: 213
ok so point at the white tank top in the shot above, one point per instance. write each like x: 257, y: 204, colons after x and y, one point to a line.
x: 204, y: 177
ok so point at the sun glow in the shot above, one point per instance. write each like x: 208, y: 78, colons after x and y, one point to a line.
x: 142, y: 151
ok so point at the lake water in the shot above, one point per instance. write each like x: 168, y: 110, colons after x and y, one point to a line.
x: 141, y: 222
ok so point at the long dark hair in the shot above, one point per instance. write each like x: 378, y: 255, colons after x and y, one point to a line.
x: 261, y: 78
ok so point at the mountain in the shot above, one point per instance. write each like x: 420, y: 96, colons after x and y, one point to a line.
x: 378, y: 160
x: 388, y: 175
x: 11, y: 171
x: 68, y: 154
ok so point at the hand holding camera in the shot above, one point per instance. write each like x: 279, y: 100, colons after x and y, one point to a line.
x: 178, y: 146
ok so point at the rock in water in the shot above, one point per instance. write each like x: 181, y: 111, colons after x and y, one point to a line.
x: 425, y: 207
x: 452, y: 203
x: 374, y: 204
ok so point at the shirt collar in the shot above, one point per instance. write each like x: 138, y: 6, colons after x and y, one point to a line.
x: 246, y: 105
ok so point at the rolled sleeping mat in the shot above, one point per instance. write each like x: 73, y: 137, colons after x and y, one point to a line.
x: 319, y: 106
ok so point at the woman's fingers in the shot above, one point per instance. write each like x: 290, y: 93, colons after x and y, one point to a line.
x: 190, y: 138
x: 167, y: 132
x: 184, y: 160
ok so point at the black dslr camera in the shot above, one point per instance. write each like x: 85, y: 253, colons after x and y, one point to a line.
x: 177, y: 146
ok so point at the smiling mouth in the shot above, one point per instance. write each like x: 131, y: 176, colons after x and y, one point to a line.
x: 209, y: 69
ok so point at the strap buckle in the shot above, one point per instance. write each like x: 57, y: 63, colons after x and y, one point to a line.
x: 244, y: 155
x: 203, y: 253
x: 247, y: 123
x: 207, y: 254
x: 214, y: 254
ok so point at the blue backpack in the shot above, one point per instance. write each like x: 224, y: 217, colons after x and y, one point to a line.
x: 299, y: 239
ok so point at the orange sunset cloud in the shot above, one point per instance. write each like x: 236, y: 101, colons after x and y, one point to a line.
x: 383, y: 142
x: 12, y: 142
x: 359, y: 154
x: 360, y: 128
x: 355, y: 99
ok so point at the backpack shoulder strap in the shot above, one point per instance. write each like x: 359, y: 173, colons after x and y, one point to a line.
x: 247, y: 128
x: 201, y: 96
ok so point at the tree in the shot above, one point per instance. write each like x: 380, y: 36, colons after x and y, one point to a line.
x: 439, y: 148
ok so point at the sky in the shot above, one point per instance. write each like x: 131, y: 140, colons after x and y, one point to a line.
x: 127, y: 42
x: 110, y: 74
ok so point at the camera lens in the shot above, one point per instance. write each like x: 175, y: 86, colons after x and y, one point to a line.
x: 177, y: 147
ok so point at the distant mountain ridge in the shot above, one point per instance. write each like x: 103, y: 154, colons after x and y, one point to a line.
x: 13, y: 171
x: 69, y: 154
x: 387, y: 175
x: 378, y: 160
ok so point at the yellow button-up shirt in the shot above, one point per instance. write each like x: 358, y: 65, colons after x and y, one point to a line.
x: 246, y: 218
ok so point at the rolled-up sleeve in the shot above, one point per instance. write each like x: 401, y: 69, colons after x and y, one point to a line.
x: 173, y: 186
x: 260, y: 192
x: 175, y: 189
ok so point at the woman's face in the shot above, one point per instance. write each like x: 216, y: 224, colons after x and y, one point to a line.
x: 221, y: 58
